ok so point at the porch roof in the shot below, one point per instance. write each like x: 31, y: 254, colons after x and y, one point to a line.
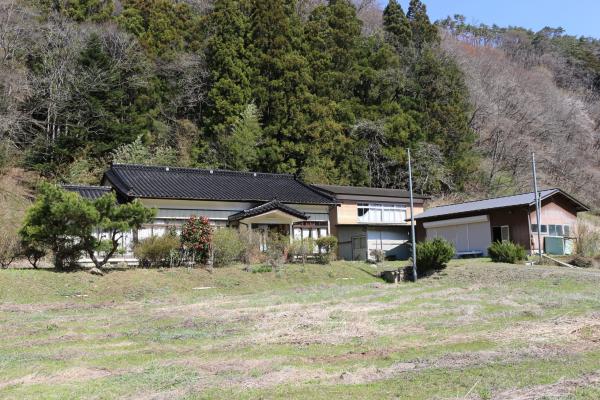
x: 273, y: 205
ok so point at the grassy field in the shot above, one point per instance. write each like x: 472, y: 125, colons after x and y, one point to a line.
x: 478, y: 330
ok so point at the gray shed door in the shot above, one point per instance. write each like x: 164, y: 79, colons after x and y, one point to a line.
x: 470, y: 234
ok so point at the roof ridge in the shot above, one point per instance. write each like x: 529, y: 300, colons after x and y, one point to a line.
x: 492, y: 198
x: 205, y: 170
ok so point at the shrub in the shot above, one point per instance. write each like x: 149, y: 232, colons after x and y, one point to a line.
x: 301, y: 248
x: 196, y: 236
x: 507, y: 252
x: 251, y: 246
x: 378, y: 255
x: 433, y: 255
x: 156, y: 250
x: 327, y: 246
x: 227, y: 246
x: 588, y: 238
x: 262, y: 269
x: 10, y: 248
x: 277, y: 249
x: 582, y: 262
x: 33, y: 253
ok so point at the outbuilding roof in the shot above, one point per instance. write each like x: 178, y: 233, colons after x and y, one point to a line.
x: 366, y: 191
x: 523, y: 199
x: 88, y: 192
x: 141, y: 181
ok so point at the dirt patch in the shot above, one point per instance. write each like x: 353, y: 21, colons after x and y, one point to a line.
x: 70, y: 375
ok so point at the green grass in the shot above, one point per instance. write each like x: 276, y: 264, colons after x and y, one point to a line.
x: 478, y: 328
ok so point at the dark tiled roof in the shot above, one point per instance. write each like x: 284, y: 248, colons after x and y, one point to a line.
x: 199, y: 184
x: 524, y: 199
x: 366, y: 191
x: 88, y: 192
x: 264, y: 208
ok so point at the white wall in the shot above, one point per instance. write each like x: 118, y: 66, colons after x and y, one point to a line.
x: 392, y: 240
x: 465, y: 235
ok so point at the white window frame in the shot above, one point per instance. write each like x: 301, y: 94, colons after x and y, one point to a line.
x: 505, y: 229
x: 546, y: 231
x: 377, y: 212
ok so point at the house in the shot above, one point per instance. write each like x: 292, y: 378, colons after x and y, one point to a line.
x: 260, y: 201
x: 370, y: 219
x: 473, y: 226
x: 363, y: 219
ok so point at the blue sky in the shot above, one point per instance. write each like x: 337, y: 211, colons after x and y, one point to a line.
x: 577, y: 17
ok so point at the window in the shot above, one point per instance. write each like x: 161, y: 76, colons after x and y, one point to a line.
x: 501, y: 233
x: 552, y: 230
x: 381, y: 213
x: 505, y: 232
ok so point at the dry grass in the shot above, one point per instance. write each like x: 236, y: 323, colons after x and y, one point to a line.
x: 479, y: 330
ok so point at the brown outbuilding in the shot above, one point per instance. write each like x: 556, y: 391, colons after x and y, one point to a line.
x: 473, y: 226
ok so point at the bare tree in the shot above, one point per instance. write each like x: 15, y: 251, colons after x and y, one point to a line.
x: 519, y: 107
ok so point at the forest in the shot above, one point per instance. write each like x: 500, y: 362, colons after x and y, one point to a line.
x: 332, y: 91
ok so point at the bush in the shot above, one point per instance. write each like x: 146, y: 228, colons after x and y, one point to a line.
x: 251, y: 246
x: 301, y: 248
x: 227, y: 246
x: 582, y: 262
x: 262, y: 269
x: 507, y: 252
x: 588, y: 238
x: 10, y: 248
x: 433, y: 255
x: 33, y: 253
x: 196, y: 236
x: 277, y: 249
x: 327, y: 246
x: 378, y: 255
x: 156, y: 250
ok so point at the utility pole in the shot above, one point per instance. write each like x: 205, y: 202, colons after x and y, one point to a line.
x: 412, y: 220
x: 538, y: 204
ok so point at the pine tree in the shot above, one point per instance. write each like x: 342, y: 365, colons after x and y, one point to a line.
x: 423, y: 31
x: 396, y: 25
x: 163, y: 27
x: 280, y: 82
x: 240, y: 148
x: 227, y: 60
x: 332, y: 35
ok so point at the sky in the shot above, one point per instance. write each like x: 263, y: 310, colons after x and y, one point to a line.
x: 577, y: 17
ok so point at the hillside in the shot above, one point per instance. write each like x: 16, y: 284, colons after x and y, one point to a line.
x: 332, y: 91
x: 532, y: 91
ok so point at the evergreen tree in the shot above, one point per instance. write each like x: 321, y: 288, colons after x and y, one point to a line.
x: 333, y: 35
x: 239, y: 148
x: 423, y: 31
x: 280, y: 83
x: 227, y: 61
x: 396, y: 25
x: 106, y: 108
x: 89, y: 10
x: 163, y: 27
